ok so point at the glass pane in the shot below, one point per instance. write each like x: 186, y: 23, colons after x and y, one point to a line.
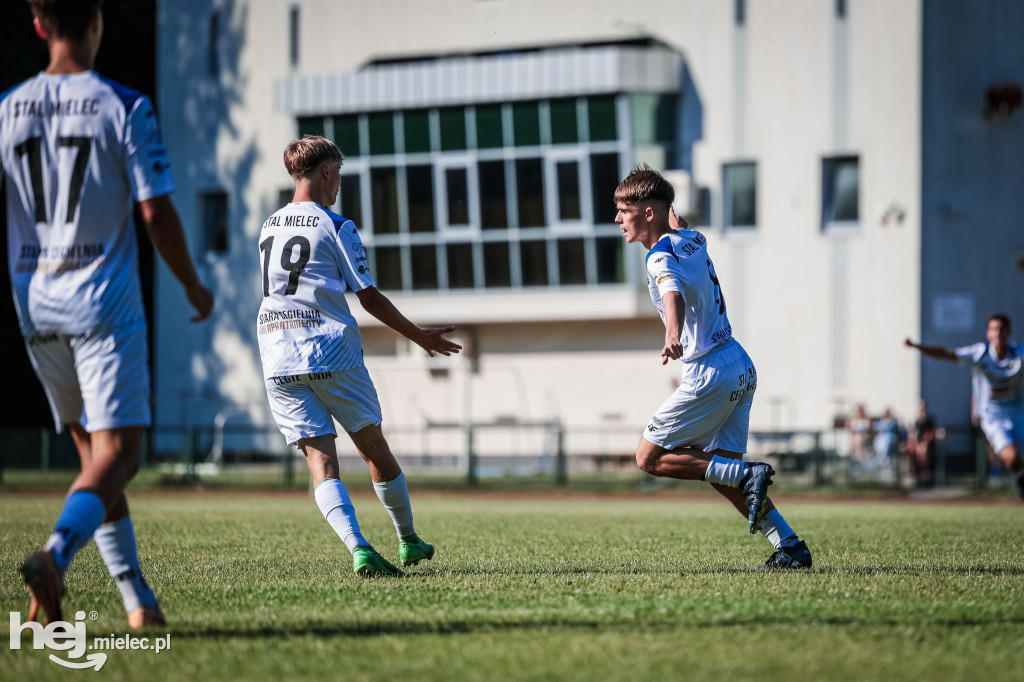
x: 313, y: 125
x: 351, y: 199
x: 572, y: 263
x: 387, y: 270
x: 458, y: 196
x: 460, y: 266
x: 382, y: 133
x: 497, y: 272
x: 215, y: 221
x: 604, y: 178
x: 563, y: 121
x: 419, y: 181
x: 568, y: 190
x: 453, y: 129
x: 285, y: 196
x: 384, y: 186
x: 741, y: 193
x: 846, y: 188
x: 488, y: 127
x: 530, y: 186
x: 424, y: 267
x: 610, y: 267
x: 601, y: 118
x: 346, y: 135
x: 534, y: 259
x: 654, y: 118
x: 526, y: 124
x: 493, y: 208
x: 416, y: 126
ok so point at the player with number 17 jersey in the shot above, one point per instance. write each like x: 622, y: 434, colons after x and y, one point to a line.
x: 309, y: 329
x: 76, y: 149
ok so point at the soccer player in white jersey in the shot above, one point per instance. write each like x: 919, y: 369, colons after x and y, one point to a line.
x: 700, y: 431
x: 76, y: 150
x: 312, y: 351
x: 998, y: 366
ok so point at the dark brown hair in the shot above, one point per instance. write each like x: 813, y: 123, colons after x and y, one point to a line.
x: 1002, y: 317
x: 68, y: 19
x: 644, y: 184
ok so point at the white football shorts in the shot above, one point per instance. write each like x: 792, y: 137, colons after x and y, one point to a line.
x: 306, y: 405
x: 100, y: 380
x: 710, y: 409
x: 1003, y: 426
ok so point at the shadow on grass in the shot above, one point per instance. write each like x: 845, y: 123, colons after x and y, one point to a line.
x: 483, y: 626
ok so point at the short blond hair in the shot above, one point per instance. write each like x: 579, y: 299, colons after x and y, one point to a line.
x: 302, y: 157
x: 644, y: 184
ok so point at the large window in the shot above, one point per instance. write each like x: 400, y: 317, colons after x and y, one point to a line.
x: 739, y: 195
x: 840, y: 192
x: 493, y: 195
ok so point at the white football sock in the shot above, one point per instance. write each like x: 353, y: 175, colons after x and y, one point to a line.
x: 116, y: 542
x: 333, y: 500
x: 725, y: 471
x: 394, y: 495
x: 778, y: 532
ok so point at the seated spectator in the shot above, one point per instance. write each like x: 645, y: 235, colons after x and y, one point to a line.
x: 859, y: 426
x: 887, y: 436
x: 921, y: 448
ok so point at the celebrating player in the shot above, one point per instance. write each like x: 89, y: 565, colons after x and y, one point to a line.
x: 700, y: 431
x: 312, y: 351
x: 76, y: 149
x: 998, y: 366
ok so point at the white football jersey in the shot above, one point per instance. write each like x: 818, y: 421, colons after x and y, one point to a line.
x: 309, y: 257
x: 76, y: 150
x: 1000, y: 382
x: 680, y: 262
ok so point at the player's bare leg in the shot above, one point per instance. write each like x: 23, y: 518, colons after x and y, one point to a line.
x: 335, y: 504
x: 693, y: 464
x: 391, y: 488
x: 1010, y: 456
x: 115, y: 539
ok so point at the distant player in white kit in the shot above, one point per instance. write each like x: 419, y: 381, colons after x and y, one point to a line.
x: 312, y: 351
x: 998, y: 383
x: 700, y: 431
x: 76, y: 150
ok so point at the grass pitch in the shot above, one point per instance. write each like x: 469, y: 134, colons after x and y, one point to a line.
x: 576, y: 588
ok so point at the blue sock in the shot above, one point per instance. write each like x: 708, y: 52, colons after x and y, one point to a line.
x: 335, y: 505
x: 82, y: 514
x: 116, y: 542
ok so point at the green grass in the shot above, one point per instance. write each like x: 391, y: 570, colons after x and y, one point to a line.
x: 258, y: 587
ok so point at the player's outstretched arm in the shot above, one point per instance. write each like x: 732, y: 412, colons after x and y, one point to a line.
x: 430, y: 339
x: 164, y: 229
x: 673, y: 349
x: 937, y: 352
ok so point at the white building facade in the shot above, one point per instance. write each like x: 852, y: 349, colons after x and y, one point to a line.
x: 832, y: 151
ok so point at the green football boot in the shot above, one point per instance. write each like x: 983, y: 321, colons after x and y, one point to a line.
x: 366, y: 563
x: 412, y: 550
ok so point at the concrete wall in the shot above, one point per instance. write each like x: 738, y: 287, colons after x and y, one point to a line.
x: 973, y: 244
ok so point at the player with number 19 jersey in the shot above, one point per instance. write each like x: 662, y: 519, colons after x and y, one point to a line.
x: 309, y: 257
x: 76, y: 149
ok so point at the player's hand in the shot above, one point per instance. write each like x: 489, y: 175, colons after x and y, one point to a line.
x: 908, y: 343
x: 675, y: 220
x: 673, y: 350
x: 433, y: 342
x: 201, y: 299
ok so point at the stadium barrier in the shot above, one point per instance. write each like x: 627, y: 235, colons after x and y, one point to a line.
x: 186, y: 455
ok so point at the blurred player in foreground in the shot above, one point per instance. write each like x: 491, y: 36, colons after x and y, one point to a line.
x: 76, y: 150
x: 312, y: 350
x: 998, y: 366
x: 700, y: 431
